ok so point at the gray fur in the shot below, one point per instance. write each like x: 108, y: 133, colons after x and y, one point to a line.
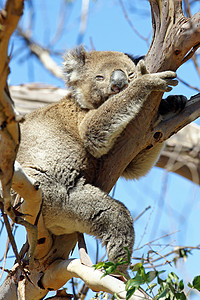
x: 61, y: 145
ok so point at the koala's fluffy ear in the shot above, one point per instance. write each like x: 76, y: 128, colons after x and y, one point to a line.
x: 73, y: 61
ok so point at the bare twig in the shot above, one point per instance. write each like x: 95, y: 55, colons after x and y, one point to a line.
x: 157, y: 239
x: 10, y: 235
x: 61, y: 21
x: 146, y: 39
x: 176, y: 250
x: 136, y: 218
x: 188, y: 85
x: 5, y: 256
x: 84, y: 17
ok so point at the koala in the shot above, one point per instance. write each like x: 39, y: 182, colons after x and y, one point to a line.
x: 61, y: 145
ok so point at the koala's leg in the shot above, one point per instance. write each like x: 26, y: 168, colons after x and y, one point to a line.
x: 105, y: 218
x: 143, y: 162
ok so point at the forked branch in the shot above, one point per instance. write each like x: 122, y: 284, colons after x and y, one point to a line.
x: 174, y: 36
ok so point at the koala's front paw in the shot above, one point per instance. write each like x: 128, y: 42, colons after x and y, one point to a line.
x: 163, y: 80
x: 172, y: 104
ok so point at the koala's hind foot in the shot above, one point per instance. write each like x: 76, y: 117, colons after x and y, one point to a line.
x: 172, y: 104
x: 107, y: 219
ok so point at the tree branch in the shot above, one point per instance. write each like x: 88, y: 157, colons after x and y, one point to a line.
x: 181, y: 153
x: 32, y: 195
x: 42, y: 54
x: 63, y: 271
x: 172, y: 125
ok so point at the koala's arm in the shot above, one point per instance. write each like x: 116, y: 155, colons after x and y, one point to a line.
x: 102, y: 126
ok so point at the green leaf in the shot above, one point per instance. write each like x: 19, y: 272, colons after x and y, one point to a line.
x: 129, y: 284
x: 99, y: 265
x: 109, y: 267
x: 141, y: 273
x: 160, y: 281
x: 160, y: 272
x: 151, y: 276
x: 116, y: 297
x: 163, y: 294
x: 134, y: 282
x: 136, y: 267
x: 130, y: 292
x: 172, y: 276
x: 180, y: 296
x: 181, y: 285
x: 151, y: 287
x: 196, y: 283
x: 190, y: 285
x: 110, y: 270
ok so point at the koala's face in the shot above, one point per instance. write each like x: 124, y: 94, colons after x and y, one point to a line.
x: 95, y: 76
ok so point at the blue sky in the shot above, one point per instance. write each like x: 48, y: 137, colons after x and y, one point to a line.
x: 178, y: 210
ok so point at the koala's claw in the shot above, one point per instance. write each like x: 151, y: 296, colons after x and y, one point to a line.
x: 167, y: 74
x: 164, y: 80
x: 141, y: 68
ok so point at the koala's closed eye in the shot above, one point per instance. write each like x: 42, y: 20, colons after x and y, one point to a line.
x: 131, y: 75
x: 100, y: 77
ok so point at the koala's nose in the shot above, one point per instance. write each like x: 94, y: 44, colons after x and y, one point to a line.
x: 118, y: 81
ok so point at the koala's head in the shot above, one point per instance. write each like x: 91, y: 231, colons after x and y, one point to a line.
x: 95, y: 76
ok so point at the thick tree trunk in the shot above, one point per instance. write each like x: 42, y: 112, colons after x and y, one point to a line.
x: 167, y: 51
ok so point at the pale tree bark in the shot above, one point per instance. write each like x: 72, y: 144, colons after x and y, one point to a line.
x: 174, y: 37
x: 181, y: 154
